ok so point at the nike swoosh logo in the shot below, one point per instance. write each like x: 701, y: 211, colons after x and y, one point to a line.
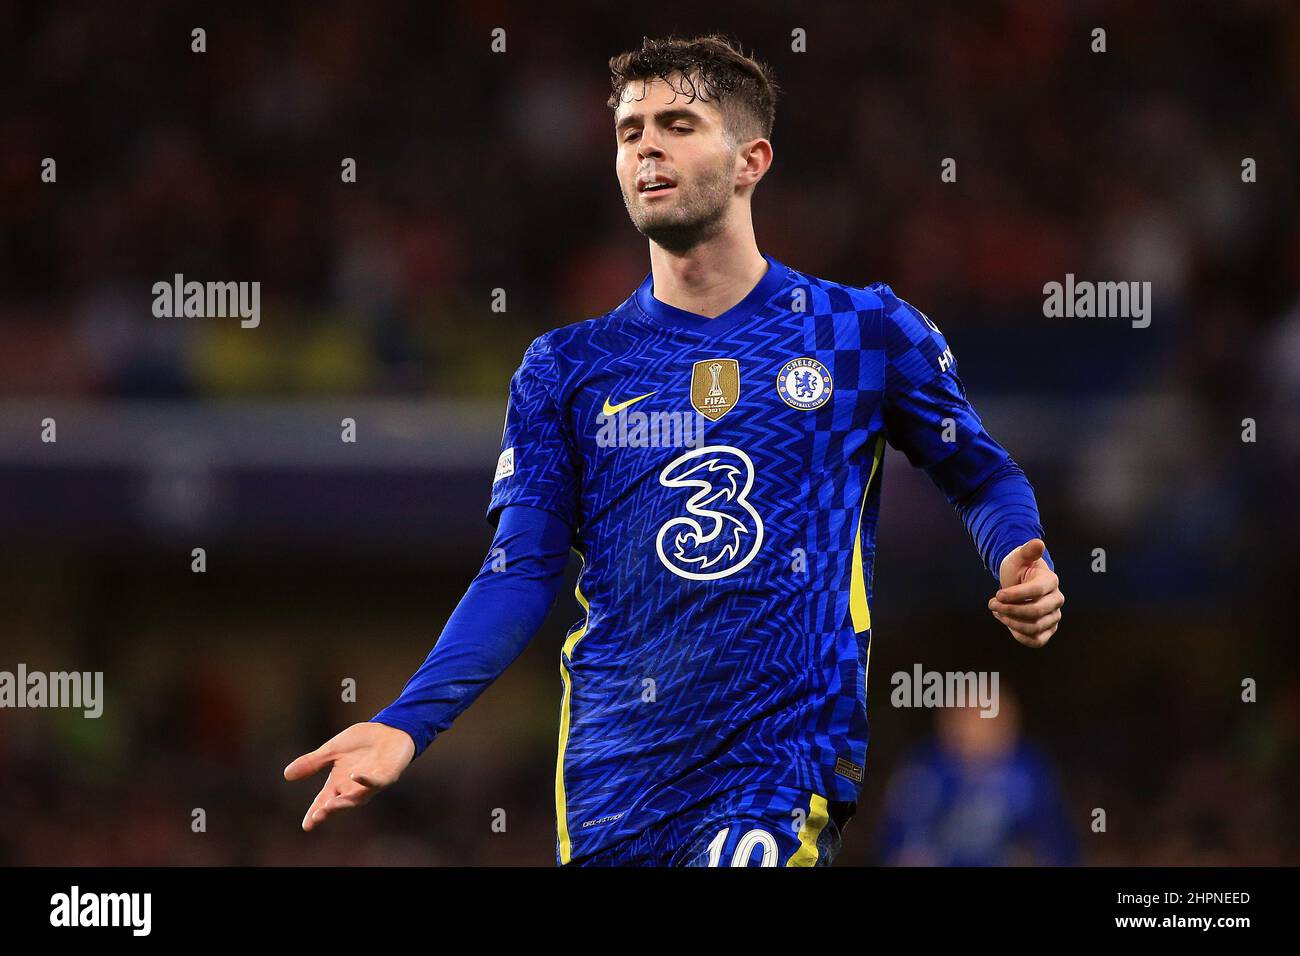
x: 615, y: 409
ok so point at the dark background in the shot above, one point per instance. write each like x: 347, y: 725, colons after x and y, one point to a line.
x: 480, y: 171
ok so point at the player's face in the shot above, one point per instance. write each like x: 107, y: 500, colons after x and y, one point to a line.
x: 675, y: 165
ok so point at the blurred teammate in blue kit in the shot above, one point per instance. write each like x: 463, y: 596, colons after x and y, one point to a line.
x: 977, y: 794
x: 711, y: 449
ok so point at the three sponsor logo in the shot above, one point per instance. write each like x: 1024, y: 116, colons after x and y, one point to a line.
x: 718, y: 531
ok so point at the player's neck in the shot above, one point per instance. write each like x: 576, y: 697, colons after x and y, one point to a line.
x: 709, y: 279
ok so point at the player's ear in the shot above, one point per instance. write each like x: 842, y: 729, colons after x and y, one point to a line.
x: 753, y: 160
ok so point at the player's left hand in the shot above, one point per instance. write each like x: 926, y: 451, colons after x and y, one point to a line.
x: 1029, y: 601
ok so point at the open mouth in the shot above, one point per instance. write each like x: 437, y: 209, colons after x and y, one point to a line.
x: 655, y: 186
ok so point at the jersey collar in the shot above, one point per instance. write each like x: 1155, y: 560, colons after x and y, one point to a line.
x: 758, y: 297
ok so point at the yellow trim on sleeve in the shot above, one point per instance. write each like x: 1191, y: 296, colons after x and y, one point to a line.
x: 561, y: 804
x: 812, y: 827
x: 859, y: 612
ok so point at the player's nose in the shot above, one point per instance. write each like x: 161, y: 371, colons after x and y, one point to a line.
x: 647, y: 148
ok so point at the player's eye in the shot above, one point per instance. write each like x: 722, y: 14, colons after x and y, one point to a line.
x: 630, y: 135
x: 681, y: 129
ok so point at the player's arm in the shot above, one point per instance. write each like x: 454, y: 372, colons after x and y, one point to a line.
x: 928, y: 417
x: 502, y: 609
x: 535, y: 505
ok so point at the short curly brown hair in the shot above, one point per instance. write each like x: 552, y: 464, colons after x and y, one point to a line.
x: 710, y: 68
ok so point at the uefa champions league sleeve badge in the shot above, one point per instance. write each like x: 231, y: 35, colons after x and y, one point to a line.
x: 804, y: 383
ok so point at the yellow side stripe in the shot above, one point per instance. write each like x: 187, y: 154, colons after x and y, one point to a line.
x: 859, y: 612
x: 561, y: 804
x: 812, y: 827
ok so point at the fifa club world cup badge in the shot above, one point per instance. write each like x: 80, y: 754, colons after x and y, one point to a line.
x: 804, y: 383
x: 715, y: 387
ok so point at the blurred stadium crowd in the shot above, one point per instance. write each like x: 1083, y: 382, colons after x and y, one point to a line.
x: 480, y: 171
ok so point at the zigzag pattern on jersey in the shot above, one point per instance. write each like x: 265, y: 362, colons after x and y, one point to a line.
x: 552, y: 476
x: 719, y: 673
x: 759, y: 677
x: 716, y: 670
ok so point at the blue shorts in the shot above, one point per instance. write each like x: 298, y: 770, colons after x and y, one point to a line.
x: 777, y: 826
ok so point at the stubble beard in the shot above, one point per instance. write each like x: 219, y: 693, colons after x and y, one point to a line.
x: 698, y: 213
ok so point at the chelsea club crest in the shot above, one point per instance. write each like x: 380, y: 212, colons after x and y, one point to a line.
x: 804, y: 383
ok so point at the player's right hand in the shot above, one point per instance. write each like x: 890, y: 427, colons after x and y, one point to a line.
x: 363, y: 760
x: 1029, y: 601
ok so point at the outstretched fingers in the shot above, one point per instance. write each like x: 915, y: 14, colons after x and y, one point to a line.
x: 319, y: 808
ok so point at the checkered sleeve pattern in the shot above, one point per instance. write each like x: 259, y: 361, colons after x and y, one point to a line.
x: 929, y: 417
x: 927, y: 414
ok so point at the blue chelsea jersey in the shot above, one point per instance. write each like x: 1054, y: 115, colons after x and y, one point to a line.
x: 722, y: 478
